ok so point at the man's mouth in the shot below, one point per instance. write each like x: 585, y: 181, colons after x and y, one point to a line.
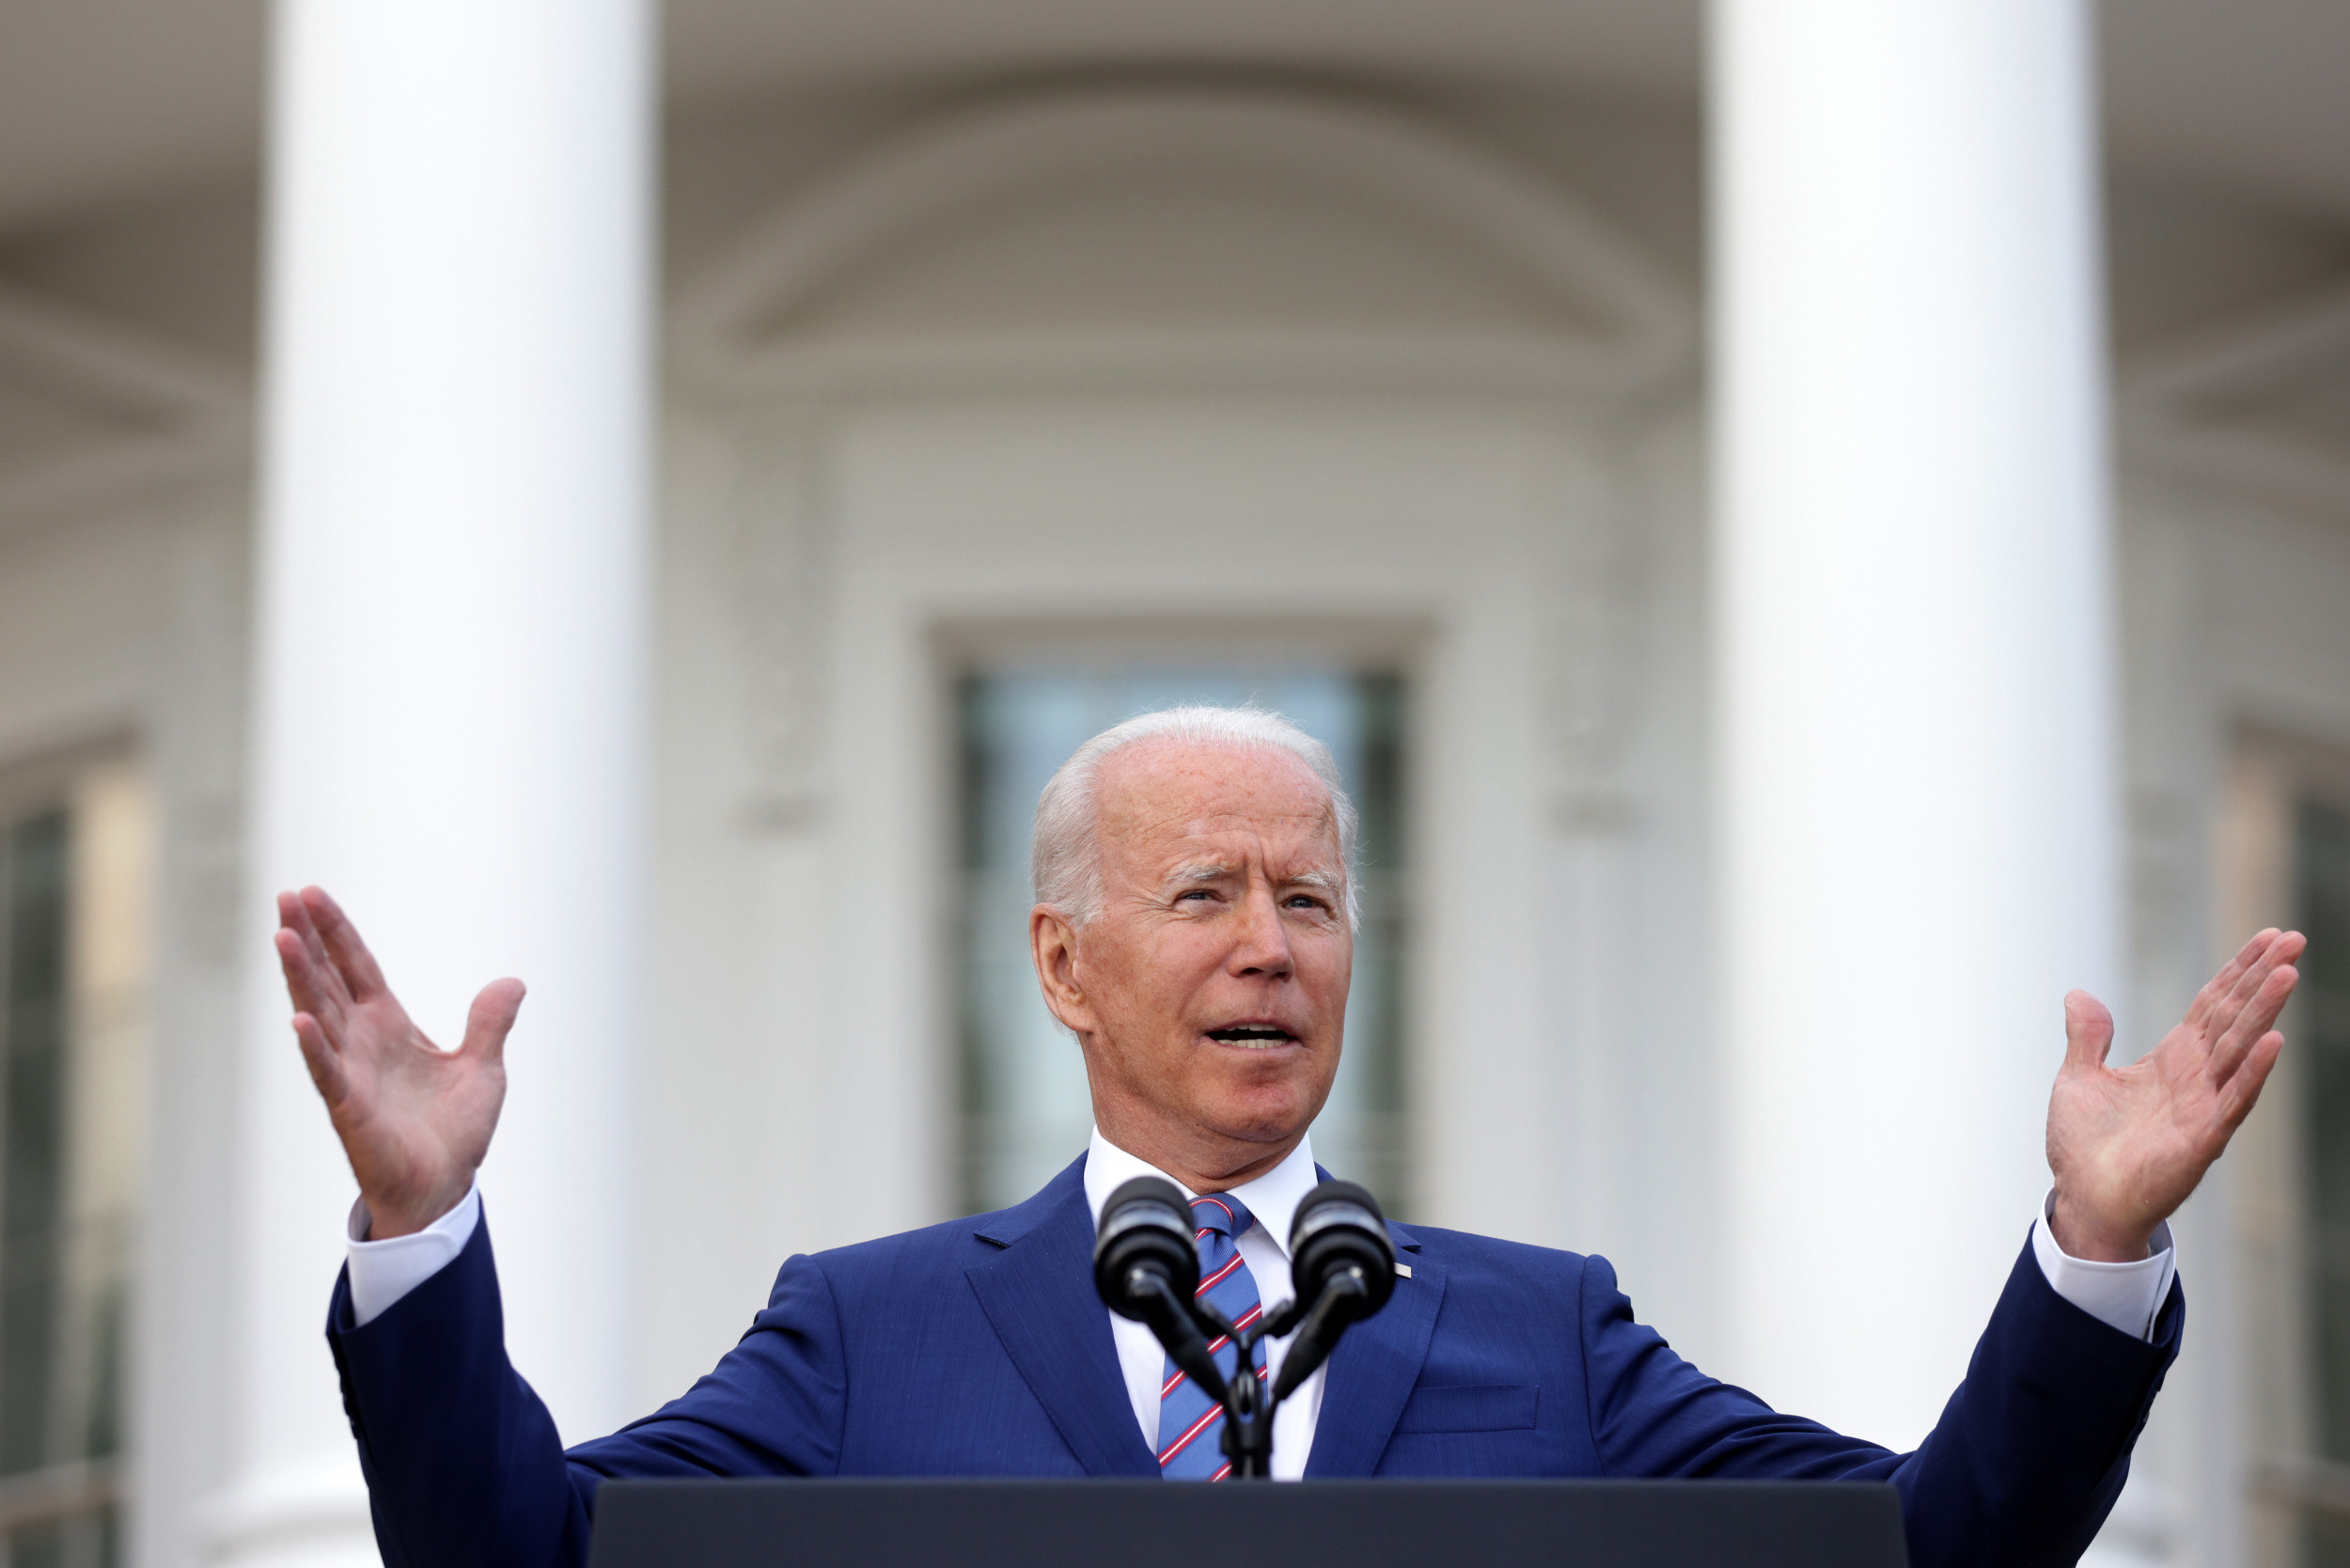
x: 1253, y: 1036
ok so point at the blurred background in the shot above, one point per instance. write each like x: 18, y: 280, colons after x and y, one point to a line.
x: 644, y: 501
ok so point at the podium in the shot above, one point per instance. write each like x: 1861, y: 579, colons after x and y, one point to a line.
x: 1326, y: 1524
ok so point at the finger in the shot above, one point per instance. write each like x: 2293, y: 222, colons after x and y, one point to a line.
x: 2087, y: 1033
x: 2229, y: 1012
x: 2222, y: 984
x: 350, y: 953
x: 2243, y: 1089
x: 2282, y: 949
x: 294, y: 915
x: 303, y: 981
x: 2254, y: 1022
x: 490, y: 1019
x: 324, y: 1062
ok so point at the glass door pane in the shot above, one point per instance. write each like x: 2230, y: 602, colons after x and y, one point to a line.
x: 74, y: 879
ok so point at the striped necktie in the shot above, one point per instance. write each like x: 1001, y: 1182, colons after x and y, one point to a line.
x: 1191, y: 1425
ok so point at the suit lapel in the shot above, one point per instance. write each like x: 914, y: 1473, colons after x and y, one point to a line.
x: 1038, y: 1294
x: 1371, y: 1372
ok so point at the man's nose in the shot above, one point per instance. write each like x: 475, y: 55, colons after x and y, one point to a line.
x: 1261, y: 946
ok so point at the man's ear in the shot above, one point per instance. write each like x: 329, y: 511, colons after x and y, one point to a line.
x: 1052, y: 946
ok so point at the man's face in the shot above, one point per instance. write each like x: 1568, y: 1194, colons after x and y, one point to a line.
x: 1210, y: 989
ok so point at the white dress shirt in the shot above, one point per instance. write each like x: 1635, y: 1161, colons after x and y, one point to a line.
x: 383, y: 1271
x: 2122, y: 1296
x: 2125, y: 1295
x: 1271, y: 1199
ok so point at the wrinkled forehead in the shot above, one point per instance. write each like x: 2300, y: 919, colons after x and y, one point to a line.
x: 1165, y: 799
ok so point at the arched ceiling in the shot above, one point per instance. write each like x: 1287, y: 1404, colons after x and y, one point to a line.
x: 103, y: 101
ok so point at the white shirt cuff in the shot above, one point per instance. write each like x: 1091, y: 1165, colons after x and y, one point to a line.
x: 383, y: 1271
x: 2124, y: 1295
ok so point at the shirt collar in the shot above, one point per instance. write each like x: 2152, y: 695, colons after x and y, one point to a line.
x: 1272, y: 1197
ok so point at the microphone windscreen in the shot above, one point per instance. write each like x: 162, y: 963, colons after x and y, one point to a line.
x: 1145, y: 1224
x: 1338, y: 1227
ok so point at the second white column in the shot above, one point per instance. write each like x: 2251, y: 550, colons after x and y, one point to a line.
x: 1916, y: 731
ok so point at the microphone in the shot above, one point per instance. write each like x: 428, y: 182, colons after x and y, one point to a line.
x: 1146, y: 1267
x: 1343, y: 1264
x: 1145, y: 1235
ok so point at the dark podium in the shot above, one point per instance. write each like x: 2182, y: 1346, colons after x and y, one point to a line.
x: 1328, y: 1524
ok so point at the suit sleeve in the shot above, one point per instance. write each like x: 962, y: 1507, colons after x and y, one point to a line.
x: 2021, y: 1469
x: 463, y: 1466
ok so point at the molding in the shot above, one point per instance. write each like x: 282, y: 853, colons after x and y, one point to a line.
x: 2171, y: 401
x: 781, y: 548
x: 968, y: 162
x: 1597, y: 597
x: 178, y: 416
x: 1626, y: 335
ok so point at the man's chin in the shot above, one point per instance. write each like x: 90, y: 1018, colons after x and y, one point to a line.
x: 1267, y: 1117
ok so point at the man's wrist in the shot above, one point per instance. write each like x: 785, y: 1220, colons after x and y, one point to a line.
x: 389, y: 1216
x: 2096, y: 1240
x: 383, y: 1270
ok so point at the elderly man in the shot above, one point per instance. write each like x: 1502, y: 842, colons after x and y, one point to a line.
x: 1194, y: 931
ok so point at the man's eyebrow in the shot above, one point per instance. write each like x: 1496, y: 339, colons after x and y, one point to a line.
x: 1196, y: 871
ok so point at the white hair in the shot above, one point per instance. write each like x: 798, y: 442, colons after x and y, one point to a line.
x: 1065, y: 861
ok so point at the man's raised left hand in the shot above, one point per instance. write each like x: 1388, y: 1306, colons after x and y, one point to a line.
x: 2128, y: 1144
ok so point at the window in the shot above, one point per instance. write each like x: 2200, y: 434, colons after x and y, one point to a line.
x: 74, y: 865
x: 1026, y: 1108
x: 2322, y: 875
x: 2284, y: 859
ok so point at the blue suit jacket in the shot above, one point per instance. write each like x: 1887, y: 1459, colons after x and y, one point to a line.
x: 979, y: 1348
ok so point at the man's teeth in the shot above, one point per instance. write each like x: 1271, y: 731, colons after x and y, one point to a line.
x: 1250, y: 1034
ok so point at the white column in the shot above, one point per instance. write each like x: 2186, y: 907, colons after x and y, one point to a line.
x: 450, y: 667
x: 1916, y: 720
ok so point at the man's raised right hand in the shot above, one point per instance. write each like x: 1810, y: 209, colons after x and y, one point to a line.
x: 415, y: 1119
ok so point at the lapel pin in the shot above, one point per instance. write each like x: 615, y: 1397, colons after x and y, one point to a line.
x: 1404, y: 1270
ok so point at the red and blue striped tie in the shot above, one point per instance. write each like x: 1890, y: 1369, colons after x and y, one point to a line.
x: 1191, y: 1425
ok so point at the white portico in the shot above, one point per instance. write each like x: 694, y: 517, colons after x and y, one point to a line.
x: 1872, y: 538
x: 1691, y: 421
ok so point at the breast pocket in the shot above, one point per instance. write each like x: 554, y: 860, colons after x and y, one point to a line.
x: 1470, y: 1408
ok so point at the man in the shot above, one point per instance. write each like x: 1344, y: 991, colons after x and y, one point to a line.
x: 1194, y: 929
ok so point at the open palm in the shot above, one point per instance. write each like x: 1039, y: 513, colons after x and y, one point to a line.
x: 415, y: 1119
x: 2128, y: 1144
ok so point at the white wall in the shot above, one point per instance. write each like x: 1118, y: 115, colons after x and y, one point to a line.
x: 853, y: 486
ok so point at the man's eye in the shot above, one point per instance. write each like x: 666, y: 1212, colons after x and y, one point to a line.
x: 1195, y: 893
x: 1304, y: 901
